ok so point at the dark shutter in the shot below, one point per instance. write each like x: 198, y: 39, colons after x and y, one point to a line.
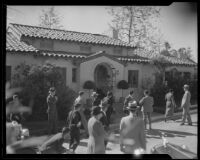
x: 8, y: 73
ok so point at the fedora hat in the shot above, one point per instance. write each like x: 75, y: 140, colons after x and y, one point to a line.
x: 132, y: 105
x: 52, y: 89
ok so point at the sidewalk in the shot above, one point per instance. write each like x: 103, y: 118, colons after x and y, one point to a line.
x: 155, y: 118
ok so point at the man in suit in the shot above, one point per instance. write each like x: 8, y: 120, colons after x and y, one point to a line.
x: 132, y: 135
x: 74, y: 127
x: 104, y: 120
x: 147, y: 107
x: 128, y: 99
x: 80, y: 99
x: 185, y: 104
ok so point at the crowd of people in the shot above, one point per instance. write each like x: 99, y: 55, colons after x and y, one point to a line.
x: 132, y: 125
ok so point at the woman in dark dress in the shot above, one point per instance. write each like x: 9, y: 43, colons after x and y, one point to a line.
x: 170, y: 104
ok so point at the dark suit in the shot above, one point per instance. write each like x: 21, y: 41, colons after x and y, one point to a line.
x: 74, y: 119
x: 109, y: 110
x: 105, y: 124
x: 128, y: 99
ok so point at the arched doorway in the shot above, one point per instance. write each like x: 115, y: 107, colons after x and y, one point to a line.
x: 103, y: 77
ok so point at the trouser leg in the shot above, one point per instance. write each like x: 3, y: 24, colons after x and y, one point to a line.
x: 183, y: 115
x: 149, y: 118
x: 144, y: 119
x: 75, y: 139
x: 188, y: 117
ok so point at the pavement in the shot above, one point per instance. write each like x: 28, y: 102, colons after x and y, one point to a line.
x: 180, y: 135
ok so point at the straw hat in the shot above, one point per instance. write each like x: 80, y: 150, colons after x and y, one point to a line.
x: 132, y: 105
x: 94, y: 94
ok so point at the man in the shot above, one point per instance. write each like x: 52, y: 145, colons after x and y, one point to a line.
x: 103, y: 119
x: 96, y: 100
x: 74, y: 127
x: 147, y: 107
x: 54, y: 144
x: 185, y: 104
x: 132, y: 136
x: 110, y: 109
x: 80, y: 100
x: 128, y: 99
x: 52, y: 111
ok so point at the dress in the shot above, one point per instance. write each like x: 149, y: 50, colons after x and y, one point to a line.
x: 52, y: 114
x: 96, y: 137
x: 169, y: 105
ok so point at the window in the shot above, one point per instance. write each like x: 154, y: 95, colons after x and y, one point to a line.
x: 46, y: 44
x: 8, y: 73
x: 133, y: 78
x: 63, y: 72
x: 85, y: 48
x: 74, y: 77
x: 117, y: 50
x: 187, y: 75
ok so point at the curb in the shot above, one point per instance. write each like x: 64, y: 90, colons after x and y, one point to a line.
x: 156, y: 119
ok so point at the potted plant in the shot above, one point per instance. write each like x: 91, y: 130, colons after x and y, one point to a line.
x: 122, y: 85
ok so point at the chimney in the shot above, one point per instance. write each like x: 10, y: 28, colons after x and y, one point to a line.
x: 115, y: 33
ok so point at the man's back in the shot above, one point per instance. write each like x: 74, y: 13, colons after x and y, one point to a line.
x: 132, y: 133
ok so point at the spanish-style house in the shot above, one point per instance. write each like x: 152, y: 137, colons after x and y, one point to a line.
x: 85, y: 56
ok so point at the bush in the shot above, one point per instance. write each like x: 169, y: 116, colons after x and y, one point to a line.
x: 122, y: 85
x: 159, y: 91
x: 36, y: 81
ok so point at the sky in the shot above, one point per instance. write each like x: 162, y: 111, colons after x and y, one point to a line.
x: 179, y: 23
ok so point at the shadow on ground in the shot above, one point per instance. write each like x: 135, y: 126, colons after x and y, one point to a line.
x: 157, y: 133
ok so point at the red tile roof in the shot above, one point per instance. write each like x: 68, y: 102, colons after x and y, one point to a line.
x: 41, y: 32
x: 14, y: 44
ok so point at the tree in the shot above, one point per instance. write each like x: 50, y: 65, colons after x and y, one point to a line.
x: 122, y: 85
x: 35, y: 81
x: 185, y: 53
x: 89, y: 85
x: 137, y: 25
x: 50, y: 19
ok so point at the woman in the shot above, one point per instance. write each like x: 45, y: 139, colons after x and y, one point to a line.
x: 96, y: 133
x: 52, y: 111
x: 170, y: 104
x: 132, y: 135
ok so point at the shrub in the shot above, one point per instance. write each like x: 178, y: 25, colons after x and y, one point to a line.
x: 122, y: 85
x: 36, y: 81
x: 159, y: 90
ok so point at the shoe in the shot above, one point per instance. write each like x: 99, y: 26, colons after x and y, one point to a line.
x: 190, y: 124
x: 181, y: 124
x: 165, y: 120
